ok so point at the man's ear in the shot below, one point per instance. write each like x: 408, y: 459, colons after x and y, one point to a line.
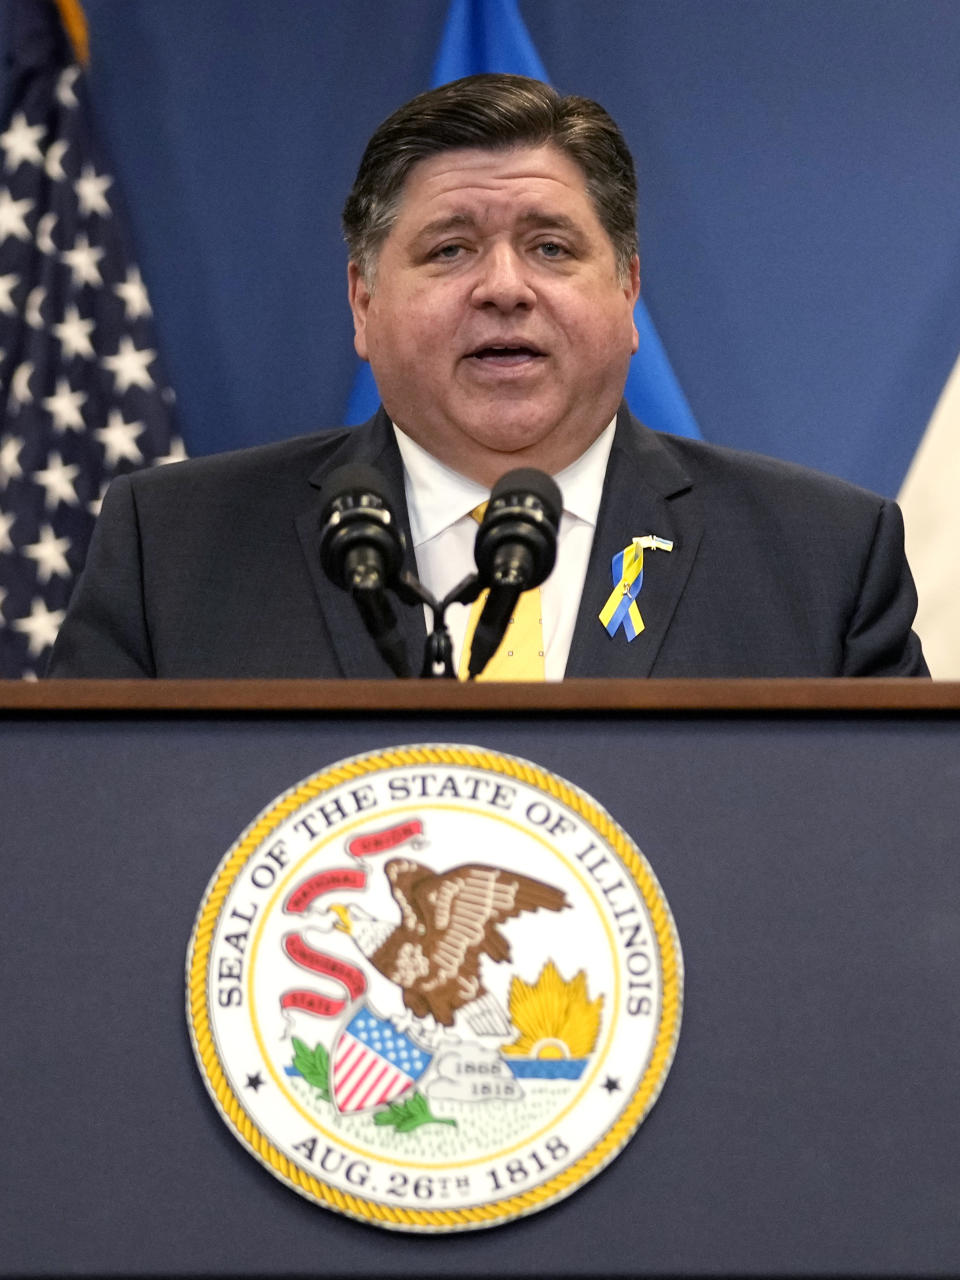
x: 633, y: 279
x: 359, y: 296
x: 632, y: 290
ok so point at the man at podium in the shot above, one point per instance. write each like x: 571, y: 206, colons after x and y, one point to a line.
x: 492, y: 273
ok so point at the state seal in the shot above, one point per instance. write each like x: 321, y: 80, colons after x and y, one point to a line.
x: 434, y: 988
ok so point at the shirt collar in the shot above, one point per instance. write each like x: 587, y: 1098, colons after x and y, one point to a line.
x: 582, y: 482
x: 439, y: 496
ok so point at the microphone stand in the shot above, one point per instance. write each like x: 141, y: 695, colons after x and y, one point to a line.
x: 438, y: 651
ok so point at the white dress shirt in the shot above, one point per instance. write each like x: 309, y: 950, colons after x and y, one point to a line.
x: 440, y: 501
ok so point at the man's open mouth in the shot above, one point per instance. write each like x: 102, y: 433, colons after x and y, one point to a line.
x: 506, y: 353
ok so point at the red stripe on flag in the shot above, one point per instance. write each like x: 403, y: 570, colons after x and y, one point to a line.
x: 347, y: 1049
x: 374, y: 1084
x: 368, y: 1064
x: 394, y: 1086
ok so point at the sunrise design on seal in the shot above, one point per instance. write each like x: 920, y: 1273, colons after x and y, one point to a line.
x: 385, y: 1004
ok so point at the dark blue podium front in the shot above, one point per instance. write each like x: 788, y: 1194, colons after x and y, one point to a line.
x: 805, y: 835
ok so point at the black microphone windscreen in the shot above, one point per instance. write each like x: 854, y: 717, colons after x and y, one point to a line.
x: 538, y: 484
x: 354, y: 480
x: 516, y: 543
x: 361, y: 542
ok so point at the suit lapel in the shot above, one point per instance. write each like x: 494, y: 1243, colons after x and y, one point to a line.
x: 373, y: 443
x: 645, y: 492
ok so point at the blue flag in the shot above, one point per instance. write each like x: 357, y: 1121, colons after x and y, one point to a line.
x: 486, y: 35
x: 82, y: 398
x: 490, y: 35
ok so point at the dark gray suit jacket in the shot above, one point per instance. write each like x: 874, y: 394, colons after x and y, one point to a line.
x: 210, y: 568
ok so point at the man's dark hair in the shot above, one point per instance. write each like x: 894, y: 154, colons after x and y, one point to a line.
x: 491, y: 112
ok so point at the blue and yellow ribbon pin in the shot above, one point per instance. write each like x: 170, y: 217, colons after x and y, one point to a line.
x: 627, y: 570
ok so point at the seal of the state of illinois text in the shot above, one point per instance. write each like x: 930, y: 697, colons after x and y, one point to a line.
x: 434, y: 988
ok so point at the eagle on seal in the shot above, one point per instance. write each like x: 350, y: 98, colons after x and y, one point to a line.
x: 448, y: 922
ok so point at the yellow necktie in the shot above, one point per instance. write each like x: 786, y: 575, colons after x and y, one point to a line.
x: 520, y: 656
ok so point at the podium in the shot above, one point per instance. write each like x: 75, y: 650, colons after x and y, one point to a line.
x: 806, y: 835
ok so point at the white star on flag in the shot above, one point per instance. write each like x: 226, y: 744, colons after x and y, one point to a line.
x: 134, y: 295
x: 44, y: 239
x: 20, y: 393
x: 7, y: 285
x: 94, y: 505
x: 67, y: 79
x: 6, y: 524
x: 82, y: 260
x: 50, y: 555
x: 118, y: 439
x: 21, y: 143
x: 91, y: 191
x: 10, y: 468
x: 129, y: 365
x: 41, y: 627
x: 13, y: 217
x: 57, y: 480
x: 177, y: 453
x: 53, y: 164
x: 32, y: 312
x: 70, y: 295
x: 74, y: 334
x: 64, y: 408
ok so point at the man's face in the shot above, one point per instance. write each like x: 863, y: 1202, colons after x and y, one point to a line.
x: 497, y: 328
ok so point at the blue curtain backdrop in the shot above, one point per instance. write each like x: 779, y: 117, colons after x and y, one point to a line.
x: 799, y: 192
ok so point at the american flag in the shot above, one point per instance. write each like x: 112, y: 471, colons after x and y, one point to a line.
x: 373, y: 1063
x: 82, y: 397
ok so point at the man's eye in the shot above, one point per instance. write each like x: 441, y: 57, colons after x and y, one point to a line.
x: 550, y: 249
x: 448, y: 252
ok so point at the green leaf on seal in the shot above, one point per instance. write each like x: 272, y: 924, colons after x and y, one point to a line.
x: 313, y: 1065
x: 410, y: 1114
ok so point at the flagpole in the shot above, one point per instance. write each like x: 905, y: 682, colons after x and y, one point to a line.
x: 75, y: 24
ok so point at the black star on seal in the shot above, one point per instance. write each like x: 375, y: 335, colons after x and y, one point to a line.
x: 255, y: 1081
x: 611, y: 1085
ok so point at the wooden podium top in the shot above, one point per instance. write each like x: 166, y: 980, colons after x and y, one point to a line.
x: 611, y: 696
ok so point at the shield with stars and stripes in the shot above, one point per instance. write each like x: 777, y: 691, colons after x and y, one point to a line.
x: 372, y: 1063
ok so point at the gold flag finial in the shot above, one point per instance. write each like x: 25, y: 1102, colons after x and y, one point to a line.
x: 75, y: 24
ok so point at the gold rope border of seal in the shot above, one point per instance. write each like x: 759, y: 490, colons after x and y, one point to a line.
x: 497, y: 1211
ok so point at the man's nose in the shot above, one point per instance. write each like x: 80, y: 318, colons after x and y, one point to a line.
x: 503, y: 280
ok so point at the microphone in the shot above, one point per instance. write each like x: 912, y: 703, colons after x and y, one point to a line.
x: 361, y: 551
x: 515, y: 550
